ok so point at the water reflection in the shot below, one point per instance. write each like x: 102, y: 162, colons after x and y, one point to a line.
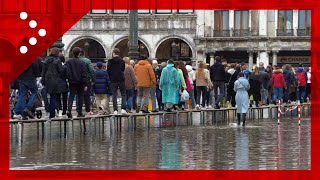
x: 260, y: 145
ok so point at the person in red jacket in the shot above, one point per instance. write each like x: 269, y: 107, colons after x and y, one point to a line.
x: 278, y: 84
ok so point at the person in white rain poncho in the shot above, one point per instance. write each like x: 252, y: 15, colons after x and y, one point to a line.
x: 241, y: 87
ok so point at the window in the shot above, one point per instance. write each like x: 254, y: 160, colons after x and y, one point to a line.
x: 185, y: 11
x: 98, y: 11
x: 180, y: 49
x: 241, y: 23
x: 221, y: 23
x: 285, y: 23
x: 144, y: 11
x: 120, y: 11
x: 304, y: 23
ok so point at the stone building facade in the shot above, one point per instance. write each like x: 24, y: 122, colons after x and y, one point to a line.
x: 252, y: 36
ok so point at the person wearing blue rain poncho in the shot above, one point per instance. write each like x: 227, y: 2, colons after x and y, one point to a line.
x: 169, y: 85
x: 241, y: 87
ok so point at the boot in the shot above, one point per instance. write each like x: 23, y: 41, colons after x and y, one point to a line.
x: 244, y: 119
x: 238, y: 118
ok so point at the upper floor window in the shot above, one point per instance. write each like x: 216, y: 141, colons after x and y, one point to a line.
x: 304, y: 23
x: 285, y: 19
x: 241, y: 23
x: 221, y: 23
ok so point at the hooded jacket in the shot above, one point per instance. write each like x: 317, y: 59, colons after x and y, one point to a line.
x: 217, y: 72
x: 145, y: 74
x: 278, y: 79
x: 288, y: 77
x: 52, y: 74
x: 115, y: 68
x: 301, y: 70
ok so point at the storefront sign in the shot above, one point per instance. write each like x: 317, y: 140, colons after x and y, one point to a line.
x: 294, y: 59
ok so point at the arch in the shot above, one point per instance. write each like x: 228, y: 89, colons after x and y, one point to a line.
x: 74, y: 41
x: 172, y: 38
x: 94, y: 49
x: 126, y: 38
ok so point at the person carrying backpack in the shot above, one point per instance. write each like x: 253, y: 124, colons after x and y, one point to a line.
x: 302, y: 82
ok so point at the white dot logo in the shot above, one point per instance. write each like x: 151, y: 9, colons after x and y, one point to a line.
x: 33, y: 24
x: 33, y: 41
x: 42, y: 32
x: 23, y: 49
x: 23, y: 15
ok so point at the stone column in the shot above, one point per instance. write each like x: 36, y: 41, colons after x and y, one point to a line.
x: 250, y: 59
x: 275, y: 57
x: 212, y: 58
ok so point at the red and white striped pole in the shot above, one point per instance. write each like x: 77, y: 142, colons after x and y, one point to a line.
x: 299, y: 113
x: 279, y: 112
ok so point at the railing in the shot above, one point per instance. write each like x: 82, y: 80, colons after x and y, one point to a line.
x: 285, y: 32
x: 222, y: 33
x: 241, y: 32
x: 303, y: 32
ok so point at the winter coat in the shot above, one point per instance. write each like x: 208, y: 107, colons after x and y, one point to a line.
x: 77, y: 72
x: 130, y: 79
x: 191, y: 74
x: 301, y: 70
x: 265, y: 79
x: 255, y: 84
x: 169, y: 84
x: 203, y: 80
x: 288, y: 77
x: 63, y: 85
x: 90, y: 71
x: 217, y: 72
x: 145, y: 74
x: 241, y: 87
x: 102, y: 84
x: 231, y: 77
x: 278, y: 79
x: 182, y: 80
x: 33, y: 71
x: 115, y: 68
x: 51, y: 74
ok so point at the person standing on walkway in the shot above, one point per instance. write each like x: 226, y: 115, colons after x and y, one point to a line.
x: 202, y: 82
x: 130, y: 83
x: 51, y: 78
x: 169, y: 85
x: 154, y: 88
x: 192, y: 78
x: 289, y: 78
x: 309, y: 84
x: 146, y: 80
x: 102, y: 87
x: 255, y: 84
x: 63, y: 86
x: 278, y: 84
x: 302, y: 81
x: 232, y: 76
x: 218, y: 77
x: 78, y: 81
x: 241, y: 87
x: 265, y: 82
x: 27, y: 81
x: 91, y: 80
x: 115, y: 69
x: 158, y: 91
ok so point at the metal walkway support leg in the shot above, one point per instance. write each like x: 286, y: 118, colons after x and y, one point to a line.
x: 20, y: 133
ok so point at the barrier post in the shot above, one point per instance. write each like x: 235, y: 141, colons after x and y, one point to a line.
x: 279, y: 112
x: 299, y: 113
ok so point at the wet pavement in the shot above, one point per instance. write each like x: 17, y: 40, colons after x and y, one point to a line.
x: 260, y: 145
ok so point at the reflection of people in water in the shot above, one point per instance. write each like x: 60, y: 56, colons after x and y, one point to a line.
x: 169, y: 156
x: 242, y: 150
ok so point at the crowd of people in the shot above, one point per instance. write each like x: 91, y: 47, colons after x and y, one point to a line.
x: 221, y: 85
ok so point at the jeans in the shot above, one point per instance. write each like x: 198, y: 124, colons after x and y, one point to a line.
x: 24, y: 86
x: 135, y: 93
x: 64, y: 102
x: 159, y: 98
x: 122, y: 88
x: 192, y: 99
x: 286, y: 94
x: 264, y: 95
x: 52, y: 105
x: 44, y: 95
x: 277, y: 94
x: 220, y: 85
x: 143, y: 98
x: 201, y: 90
x: 76, y: 89
x: 153, y: 98
x: 302, y: 93
x: 130, y: 94
x: 87, y: 98
x: 231, y: 97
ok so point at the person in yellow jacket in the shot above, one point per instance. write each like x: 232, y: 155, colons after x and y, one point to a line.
x: 146, y: 79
